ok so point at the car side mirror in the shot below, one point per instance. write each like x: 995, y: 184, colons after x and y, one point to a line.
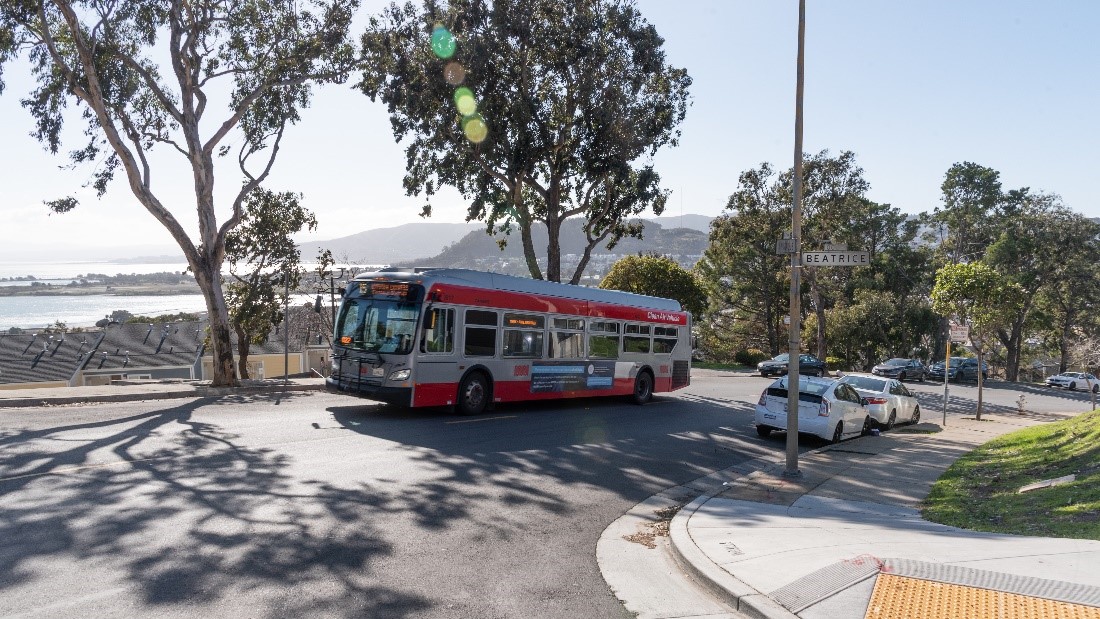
x: 863, y: 401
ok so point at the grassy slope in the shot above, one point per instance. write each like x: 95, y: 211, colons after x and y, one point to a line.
x: 979, y: 491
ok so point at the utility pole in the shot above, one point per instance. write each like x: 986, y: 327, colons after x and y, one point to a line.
x: 794, y: 340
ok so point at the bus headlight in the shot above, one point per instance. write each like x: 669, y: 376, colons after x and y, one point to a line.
x: 400, y: 375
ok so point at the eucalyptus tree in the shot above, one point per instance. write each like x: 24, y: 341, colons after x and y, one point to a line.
x: 533, y: 110
x: 1071, y: 291
x: 965, y: 225
x: 264, y: 264
x: 146, y: 76
x: 834, y: 208
x: 1039, y: 239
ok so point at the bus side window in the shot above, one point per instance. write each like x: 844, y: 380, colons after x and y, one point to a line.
x: 439, y: 331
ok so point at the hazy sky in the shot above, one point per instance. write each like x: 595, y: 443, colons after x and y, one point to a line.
x: 911, y: 87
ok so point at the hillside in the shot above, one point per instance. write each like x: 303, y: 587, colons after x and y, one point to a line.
x: 388, y: 245
x: 478, y: 250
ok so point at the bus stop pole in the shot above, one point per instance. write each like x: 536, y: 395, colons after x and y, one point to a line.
x: 794, y: 339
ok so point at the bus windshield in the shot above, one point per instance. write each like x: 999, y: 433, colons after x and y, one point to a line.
x: 377, y: 325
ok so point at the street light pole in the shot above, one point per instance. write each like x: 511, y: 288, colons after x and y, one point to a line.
x: 794, y: 340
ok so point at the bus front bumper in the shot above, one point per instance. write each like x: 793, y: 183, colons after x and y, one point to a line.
x: 401, y: 396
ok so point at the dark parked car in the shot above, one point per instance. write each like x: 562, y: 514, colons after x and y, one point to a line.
x: 901, y: 369
x: 962, y: 368
x: 808, y: 365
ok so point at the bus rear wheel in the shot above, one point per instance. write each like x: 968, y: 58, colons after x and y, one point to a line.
x: 473, y: 394
x: 643, y: 388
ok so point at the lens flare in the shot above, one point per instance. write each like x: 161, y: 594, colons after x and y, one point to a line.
x: 475, y: 128
x: 465, y: 102
x: 443, y: 42
x: 454, y: 73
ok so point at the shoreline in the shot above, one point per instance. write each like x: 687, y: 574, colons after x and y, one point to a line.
x: 101, y: 290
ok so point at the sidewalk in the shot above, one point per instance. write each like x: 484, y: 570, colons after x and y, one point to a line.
x: 846, y: 540
x: 136, y: 390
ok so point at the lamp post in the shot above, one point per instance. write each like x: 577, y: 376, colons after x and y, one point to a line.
x: 794, y: 340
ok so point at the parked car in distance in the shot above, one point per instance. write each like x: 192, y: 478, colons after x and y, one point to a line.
x: 888, y: 401
x: 1074, y: 381
x: 962, y: 368
x: 827, y: 408
x: 808, y: 365
x: 901, y: 369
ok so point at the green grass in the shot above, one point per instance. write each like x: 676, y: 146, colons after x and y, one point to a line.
x: 979, y: 491
x: 707, y: 365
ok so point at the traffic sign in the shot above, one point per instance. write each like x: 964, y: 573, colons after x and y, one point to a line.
x: 786, y: 246
x: 960, y: 333
x: 835, y: 258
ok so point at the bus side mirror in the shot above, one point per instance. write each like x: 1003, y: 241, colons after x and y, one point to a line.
x: 317, y: 305
x: 342, y: 290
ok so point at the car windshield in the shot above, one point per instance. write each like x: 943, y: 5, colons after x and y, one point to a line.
x: 866, y: 383
x: 898, y: 362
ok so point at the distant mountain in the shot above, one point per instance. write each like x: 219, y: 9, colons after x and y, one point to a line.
x: 695, y: 222
x: 388, y: 245
x: 478, y: 250
x: 418, y: 241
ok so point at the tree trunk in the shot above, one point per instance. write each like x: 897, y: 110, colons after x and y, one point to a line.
x: 525, y: 230
x: 242, y: 353
x: 1063, y: 343
x: 553, y: 249
x: 208, y: 277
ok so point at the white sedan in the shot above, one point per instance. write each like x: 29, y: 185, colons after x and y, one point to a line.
x: 1074, y: 381
x: 888, y: 401
x: 827, y: 408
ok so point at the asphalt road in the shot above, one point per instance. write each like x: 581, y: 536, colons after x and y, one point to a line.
x: 316, y: 505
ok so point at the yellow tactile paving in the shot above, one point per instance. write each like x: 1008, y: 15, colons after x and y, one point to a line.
x: 899, y: 597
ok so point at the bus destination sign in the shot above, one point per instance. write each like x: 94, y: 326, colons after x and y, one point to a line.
x: 384, y: 289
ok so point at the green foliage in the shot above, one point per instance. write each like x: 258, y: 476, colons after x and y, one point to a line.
x: 656, y: 276
x: 979, y: 491
x: 56, y: 327
x: 105, y: 59
x: 575, y: 95
x: 750, y: 356
x: 162, y: 318
x: 263, y: 262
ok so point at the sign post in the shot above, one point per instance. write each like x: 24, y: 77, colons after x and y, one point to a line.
x: 958, y: 333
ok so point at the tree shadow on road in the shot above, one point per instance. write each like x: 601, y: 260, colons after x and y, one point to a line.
x: 176, y: 511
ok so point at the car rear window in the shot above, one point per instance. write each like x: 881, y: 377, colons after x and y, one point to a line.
x: 780, y: 392
x: 865, y: 382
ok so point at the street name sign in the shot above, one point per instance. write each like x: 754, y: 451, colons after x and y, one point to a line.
x: 835, y: 258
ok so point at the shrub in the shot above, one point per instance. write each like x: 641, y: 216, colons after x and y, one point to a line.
x: 750, y: 357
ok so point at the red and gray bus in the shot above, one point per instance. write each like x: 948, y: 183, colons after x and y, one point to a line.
x: 467, y: 339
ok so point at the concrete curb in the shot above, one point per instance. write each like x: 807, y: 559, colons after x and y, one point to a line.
x: 193, y: 392
x: 745, y: 599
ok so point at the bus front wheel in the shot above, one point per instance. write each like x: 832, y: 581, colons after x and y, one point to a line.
x: 643, y: 388
x: 473, y: 394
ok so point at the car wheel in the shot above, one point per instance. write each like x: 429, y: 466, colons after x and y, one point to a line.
x: 473, y: 394
x: 838, y: 433
x: 889, y: 425
x: 867, y: 424
x: 763, y: 431
x: 1073, y: 386
x: 916, y: 415
x: 1095, y: 388
x: 901, y: 377
x: 643, y: 388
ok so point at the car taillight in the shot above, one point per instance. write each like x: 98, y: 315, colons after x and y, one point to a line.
x: 876, y: 400
x: 763, y: 397
x: 823, y: 409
